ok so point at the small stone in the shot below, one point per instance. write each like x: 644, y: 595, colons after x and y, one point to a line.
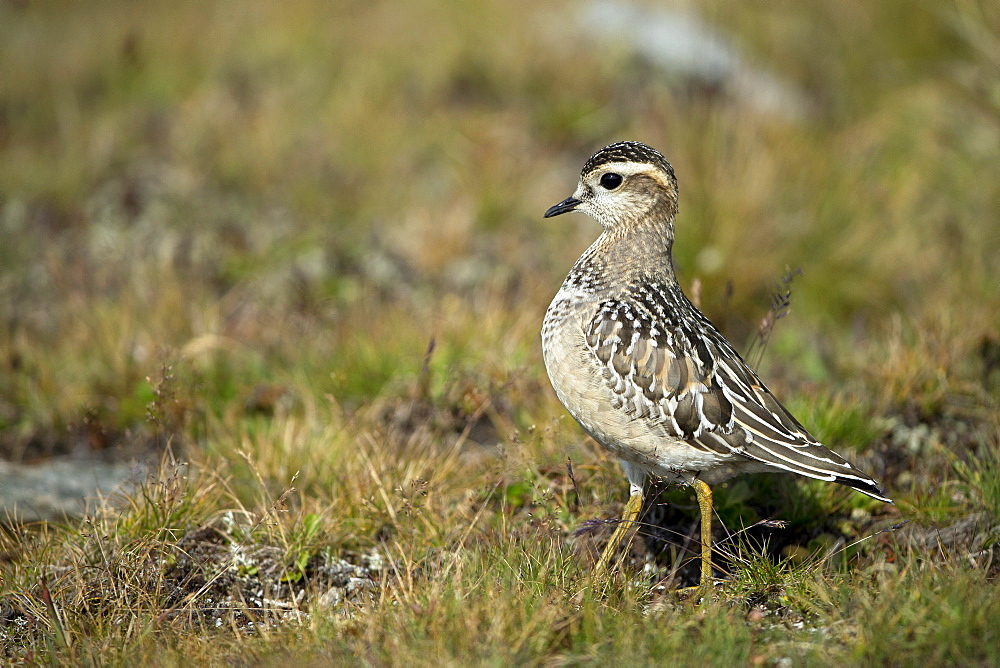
x: 331, y: 598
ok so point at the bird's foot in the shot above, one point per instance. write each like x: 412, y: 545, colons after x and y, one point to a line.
x: 697, y: 594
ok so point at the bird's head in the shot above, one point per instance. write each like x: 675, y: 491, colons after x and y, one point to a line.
x: 624, y: 184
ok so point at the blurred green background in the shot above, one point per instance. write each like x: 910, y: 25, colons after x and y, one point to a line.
x: 300, y: 245
x: 305, y: 193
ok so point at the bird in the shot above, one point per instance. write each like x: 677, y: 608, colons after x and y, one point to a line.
x: 645, y: 373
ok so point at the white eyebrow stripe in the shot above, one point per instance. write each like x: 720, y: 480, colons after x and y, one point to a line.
x: 626, y: 168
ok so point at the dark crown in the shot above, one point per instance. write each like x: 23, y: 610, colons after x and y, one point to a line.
x: 628, y: 151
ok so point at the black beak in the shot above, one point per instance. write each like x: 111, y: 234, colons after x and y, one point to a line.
x: 564, y: 206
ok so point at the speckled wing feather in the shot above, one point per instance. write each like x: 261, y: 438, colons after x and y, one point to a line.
x: 666, y: 363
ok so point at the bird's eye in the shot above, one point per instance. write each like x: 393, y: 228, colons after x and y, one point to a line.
x: 610, y: 181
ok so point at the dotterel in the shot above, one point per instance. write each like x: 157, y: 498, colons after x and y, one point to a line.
x: 645, y: 372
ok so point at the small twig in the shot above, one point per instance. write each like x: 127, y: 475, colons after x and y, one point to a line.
x: 781, y: 303
x: 894, y: 527
x: 423, y: 379
x: 575, y: 506
x: 770, y: 523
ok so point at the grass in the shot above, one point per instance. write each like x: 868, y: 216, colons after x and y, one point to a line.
x: 294, y: 258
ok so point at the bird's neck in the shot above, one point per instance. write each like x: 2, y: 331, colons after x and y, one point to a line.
x: 632, y: 251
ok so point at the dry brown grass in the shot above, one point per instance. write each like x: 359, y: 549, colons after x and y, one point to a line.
x: 231, y: 234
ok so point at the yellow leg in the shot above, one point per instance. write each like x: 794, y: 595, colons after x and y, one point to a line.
x: 704, y: 493
x: 629, y: 516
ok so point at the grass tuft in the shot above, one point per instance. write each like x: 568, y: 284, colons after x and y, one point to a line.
x: 291, y: 262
